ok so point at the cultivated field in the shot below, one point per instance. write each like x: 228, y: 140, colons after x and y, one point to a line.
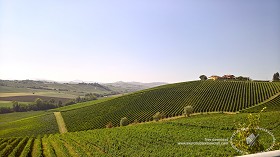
x: 204, y: 96
x: 36, y: 133
x: 152, y: 139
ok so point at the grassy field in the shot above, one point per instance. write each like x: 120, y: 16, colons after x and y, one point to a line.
x: 28, y: 97
x: 151, y: 139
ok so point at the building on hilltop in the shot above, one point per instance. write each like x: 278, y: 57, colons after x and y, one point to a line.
x: 228, y: 77
x: 225, y: 77
x: 214, y: 77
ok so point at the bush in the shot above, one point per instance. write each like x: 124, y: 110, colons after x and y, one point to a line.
x: 5, y: 110
x: 188, y: 110
x: 158, y: 116
x: 124, y: 121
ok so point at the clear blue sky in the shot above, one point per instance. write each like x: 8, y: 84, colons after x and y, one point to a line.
x: 138, y: 40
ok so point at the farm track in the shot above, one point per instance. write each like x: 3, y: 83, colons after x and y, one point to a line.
x: 60, y: 122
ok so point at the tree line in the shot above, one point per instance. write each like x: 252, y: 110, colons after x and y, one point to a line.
x: 40, y: 104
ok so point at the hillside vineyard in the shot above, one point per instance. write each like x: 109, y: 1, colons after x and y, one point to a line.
x: 151, y: 139
x: 204, y: 96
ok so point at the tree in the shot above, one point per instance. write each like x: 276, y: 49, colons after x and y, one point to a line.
x: 90, y: 96
x: 39, y: 104
x: 38, y: 101
x: 241, y: 78
x: 52, y: 101
x: 5, y: 110
x: 203, y: 77
x: 276, y: 77
x: 16, y: 106
x: 157, y: 116
x: 59, y: 103
x: 188, y: 110
x: 78, y: 99
x: 124, y: 121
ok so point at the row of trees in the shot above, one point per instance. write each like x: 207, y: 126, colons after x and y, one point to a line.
x: 276, y: 77
x: 40, y: 104
x: 239, y: 78
x: 37, y: 105
x: 87, y: 97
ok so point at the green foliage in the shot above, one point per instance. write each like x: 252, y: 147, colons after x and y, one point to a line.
x: 241, y: 78
x: 124, y: 121
x: 6, y: 110
x: 157, y: 116
x: 37, y: 147
x: 152, y: 139
x: 203, y: 77
x: 276, y: 77
x: 247, y: 129
x: 188, y: 110
x: 28, y: 148
x: 203, y: 96
x: 37, y: 125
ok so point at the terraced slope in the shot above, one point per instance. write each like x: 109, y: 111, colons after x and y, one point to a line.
x: 152, y: 139
x: 204, y: 96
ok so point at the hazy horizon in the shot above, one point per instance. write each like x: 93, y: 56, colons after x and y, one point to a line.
x: 141, y: 41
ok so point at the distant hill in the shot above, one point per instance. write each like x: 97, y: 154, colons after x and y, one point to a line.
x: 127, y: 87
x: 69, y: 90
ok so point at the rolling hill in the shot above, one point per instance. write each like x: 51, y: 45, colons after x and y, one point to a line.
x: 204, y: 96
x: 26, y: 91
x: 37, y: 134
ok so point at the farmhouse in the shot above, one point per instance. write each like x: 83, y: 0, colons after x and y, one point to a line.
x: 214, y: 77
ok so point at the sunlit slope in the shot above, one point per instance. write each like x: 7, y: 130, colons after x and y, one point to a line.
x: 151, y: 139
x: 204, y: 96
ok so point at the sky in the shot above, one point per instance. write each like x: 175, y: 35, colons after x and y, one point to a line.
x: 145, y: 41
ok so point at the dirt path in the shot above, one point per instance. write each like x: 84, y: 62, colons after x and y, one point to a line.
x: 60, y: 122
